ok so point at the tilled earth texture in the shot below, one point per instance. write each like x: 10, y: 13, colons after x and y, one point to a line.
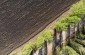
x: 20, y: 20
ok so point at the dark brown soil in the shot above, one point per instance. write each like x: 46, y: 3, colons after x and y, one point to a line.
x: 20, y: 20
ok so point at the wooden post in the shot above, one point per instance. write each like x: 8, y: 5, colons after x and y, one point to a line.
x: 68, y: 37
x: 55, y: 37
x: 83, y: 26
x: 61, y: 39
x: 78, y: 28
x: 45, y: 48
x: 54, y: 43
x: 74, y: 30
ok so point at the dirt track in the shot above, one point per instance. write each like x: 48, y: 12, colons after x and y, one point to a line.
x: 20, y: 20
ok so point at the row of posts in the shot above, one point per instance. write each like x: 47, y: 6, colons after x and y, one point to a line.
x: 59, y: 39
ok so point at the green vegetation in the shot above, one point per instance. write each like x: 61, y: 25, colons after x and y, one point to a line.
x: 40, y: 41
x: 82, y: 42
x: 61, y: 26
x: 78, y: 9
x: 77, y: 47
x: 81, y: 36
x: 68, y: 51
x: 27, y: 49
x: 71, y: 20
x: 47, y: 36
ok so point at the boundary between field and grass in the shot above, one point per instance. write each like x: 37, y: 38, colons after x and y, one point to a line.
x: 65, y: 28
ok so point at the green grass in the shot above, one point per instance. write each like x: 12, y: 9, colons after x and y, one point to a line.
x: 77, y: 47
x: 82, y: 42
x: 81, y: 36
x: 68, y: 51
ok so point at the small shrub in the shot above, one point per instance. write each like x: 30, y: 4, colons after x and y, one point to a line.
x: 61, y: 26
x: 40, y: 41
x: 47, y: 36
x: 26, y: 50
